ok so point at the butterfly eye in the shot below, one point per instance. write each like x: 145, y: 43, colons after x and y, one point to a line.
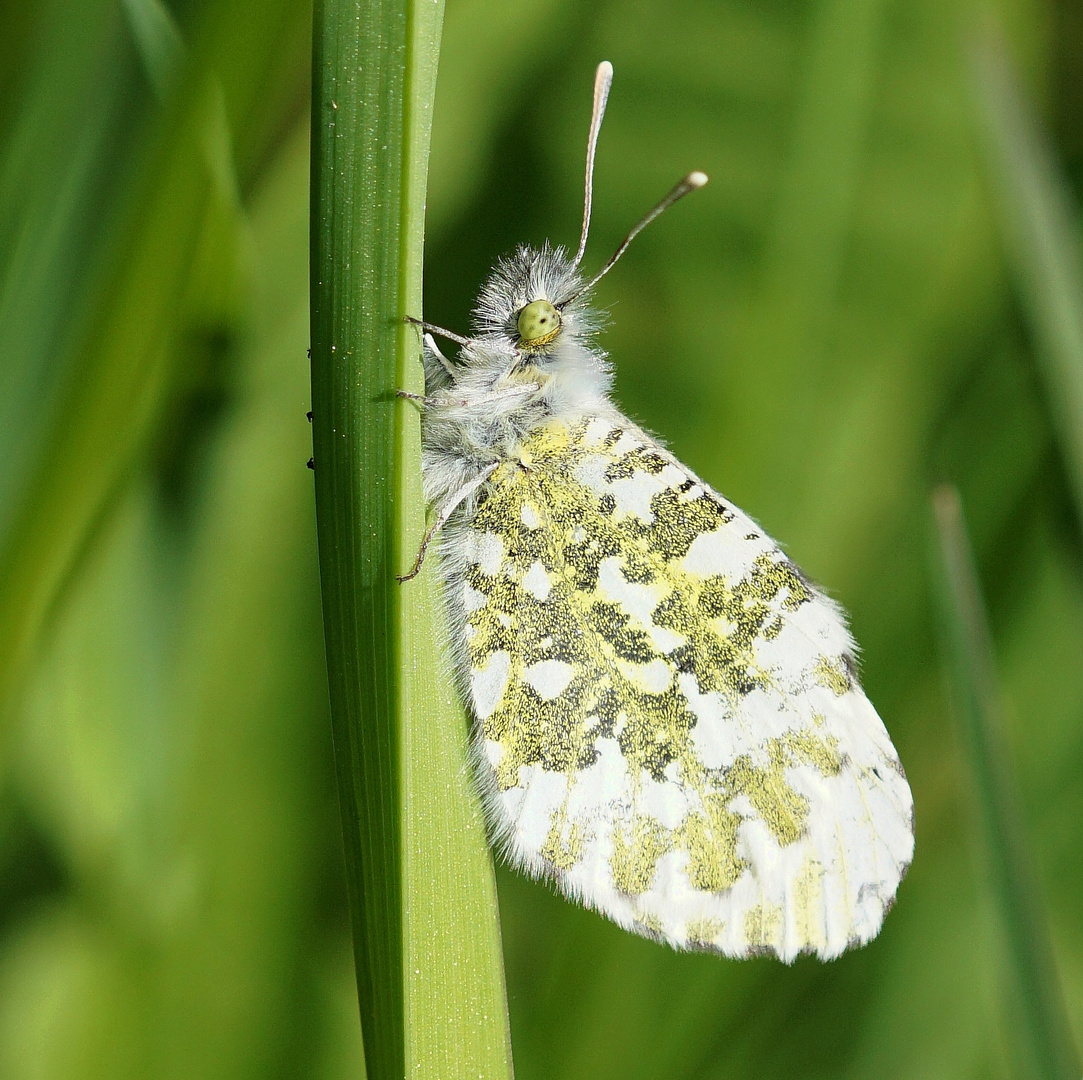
x: 538, y: 324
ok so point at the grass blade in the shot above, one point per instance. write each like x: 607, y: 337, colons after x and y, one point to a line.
x: 1043, y: 1033
x: 158, y: 40
x: 1041, y: 226
x: 120, y: 373
x: 422, y: 892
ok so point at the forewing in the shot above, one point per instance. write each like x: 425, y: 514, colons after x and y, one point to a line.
x: 668, y: 708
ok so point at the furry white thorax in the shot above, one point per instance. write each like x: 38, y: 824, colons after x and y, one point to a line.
x: 467, y: 427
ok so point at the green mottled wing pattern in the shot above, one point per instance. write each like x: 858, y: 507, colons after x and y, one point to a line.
x: 668, y: 721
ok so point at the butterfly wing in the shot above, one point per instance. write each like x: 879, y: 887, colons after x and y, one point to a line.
x: 668, y: 723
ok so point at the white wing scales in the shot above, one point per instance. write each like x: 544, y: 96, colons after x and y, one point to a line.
x: 667, y: 720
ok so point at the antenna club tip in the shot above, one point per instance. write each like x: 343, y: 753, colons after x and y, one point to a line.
x: 605, y: 68
x: 696, y: 179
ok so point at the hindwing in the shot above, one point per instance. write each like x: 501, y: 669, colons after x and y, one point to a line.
x: 667, y: 715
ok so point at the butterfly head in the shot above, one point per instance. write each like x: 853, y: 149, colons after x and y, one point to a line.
x: 534, y: 307
x: 534, y: 304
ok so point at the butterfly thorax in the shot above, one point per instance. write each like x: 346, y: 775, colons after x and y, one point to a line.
x: 501, y: 388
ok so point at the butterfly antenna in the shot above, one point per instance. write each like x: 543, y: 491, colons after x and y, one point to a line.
x: 603, y: 80
x: 692, y: 182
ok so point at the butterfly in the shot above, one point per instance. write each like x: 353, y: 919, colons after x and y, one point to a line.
x: 667, y: 719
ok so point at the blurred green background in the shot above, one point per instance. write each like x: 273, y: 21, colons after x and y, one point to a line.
x: 843, y: 318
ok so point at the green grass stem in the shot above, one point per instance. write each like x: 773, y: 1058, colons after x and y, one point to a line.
x: 420, y: 876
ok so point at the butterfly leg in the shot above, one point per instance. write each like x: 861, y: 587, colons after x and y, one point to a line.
x: 445, y: 363
x: 422, y: 398
x: 449, y: 507
x: 521, y: 390
x: 434, y: 329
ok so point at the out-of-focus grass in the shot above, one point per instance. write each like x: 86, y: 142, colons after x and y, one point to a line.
x: 830, y: 325
x: 172, y: 254
x: 1042, y: 233
x: 1040, y: 1033
x: 172, y: 892
x: 158, y: 42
